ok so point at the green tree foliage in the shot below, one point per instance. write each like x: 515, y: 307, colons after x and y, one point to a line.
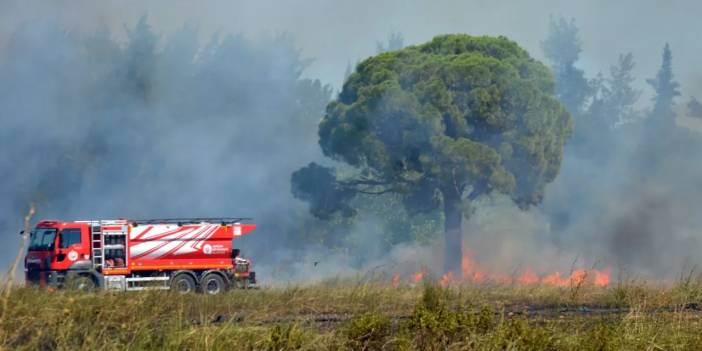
x: 666, y: 90
x: 441, y: 124
x: 562, y: 48
x: 316, y: 184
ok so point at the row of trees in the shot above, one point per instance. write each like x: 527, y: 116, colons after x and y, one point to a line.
x: 628, y: 166
x: 603, y: 104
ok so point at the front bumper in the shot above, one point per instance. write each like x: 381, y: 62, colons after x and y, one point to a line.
x: 43, y: 279
x: 243, y: 279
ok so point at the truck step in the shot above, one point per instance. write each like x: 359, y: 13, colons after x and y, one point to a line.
x: 148, y: 283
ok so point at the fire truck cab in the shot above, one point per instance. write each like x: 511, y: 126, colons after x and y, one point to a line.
x: 186, y: 255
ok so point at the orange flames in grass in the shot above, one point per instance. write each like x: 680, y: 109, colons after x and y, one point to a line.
x: 419, y: 276
x: 472, y: 272
x: 415, y: 278
x: 396, y: 280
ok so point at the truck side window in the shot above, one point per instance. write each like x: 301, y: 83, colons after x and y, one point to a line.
x: 69, y: 237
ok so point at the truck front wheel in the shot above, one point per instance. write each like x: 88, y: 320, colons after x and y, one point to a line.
x: 183, y: 283
x: 80, y: 283
x: 213, y: 284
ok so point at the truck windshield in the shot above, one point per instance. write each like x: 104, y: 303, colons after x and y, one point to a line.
x: 42, y: 239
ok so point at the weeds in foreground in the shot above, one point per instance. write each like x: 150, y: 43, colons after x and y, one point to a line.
x: 367, y: 317
x: 437, y: 324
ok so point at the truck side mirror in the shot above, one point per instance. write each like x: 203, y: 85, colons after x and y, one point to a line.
x: 235, y: 253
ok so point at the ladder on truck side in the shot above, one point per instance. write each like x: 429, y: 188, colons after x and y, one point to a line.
x: 104, y: 237
x: 96, y: 245
x: 102, y: 251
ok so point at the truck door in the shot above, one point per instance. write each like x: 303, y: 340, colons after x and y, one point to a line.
x: 72, y: 249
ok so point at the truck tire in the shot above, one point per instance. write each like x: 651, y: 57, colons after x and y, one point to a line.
x: 213, y: 284
x: 80, y: 283
x: 183, y: 284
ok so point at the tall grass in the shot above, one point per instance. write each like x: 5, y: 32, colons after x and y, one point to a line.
x: 365, y: 316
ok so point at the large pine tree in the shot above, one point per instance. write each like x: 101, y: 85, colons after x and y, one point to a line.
x: 441, y: 124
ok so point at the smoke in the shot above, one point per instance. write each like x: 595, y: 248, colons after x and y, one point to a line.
x: 334, y: 33
x: 155, y: 126
x: 206, y: 110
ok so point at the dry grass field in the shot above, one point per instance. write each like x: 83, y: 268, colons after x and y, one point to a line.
x: 352, y: 315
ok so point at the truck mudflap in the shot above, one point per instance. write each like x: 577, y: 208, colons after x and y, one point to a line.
x: 252, y: 277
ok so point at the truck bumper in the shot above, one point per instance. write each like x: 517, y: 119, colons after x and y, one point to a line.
x: 243, y: 280
x: 43, y: 279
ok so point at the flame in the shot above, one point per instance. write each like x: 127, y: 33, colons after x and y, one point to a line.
x: 446, y: 279
x: 468, y: 266
x: 396, y: 280
x: 470, y: 270
x: 602, y: 277
x: 418, y: 276
x: 501, y: 278
x: 528, y: 277
x: 578, y: 276
x: 479, y: 277
x: 473, y: 272
x: 553, y: 279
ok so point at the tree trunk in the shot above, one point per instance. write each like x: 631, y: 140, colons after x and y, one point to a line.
x: 453, y: 217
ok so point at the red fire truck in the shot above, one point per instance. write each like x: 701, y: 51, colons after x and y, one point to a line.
x: 186, y: 255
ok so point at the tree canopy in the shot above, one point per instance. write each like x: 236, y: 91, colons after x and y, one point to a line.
x: 441, y: 123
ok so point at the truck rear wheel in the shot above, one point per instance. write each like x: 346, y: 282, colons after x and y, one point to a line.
x: 213, y: 284
x: 183, y: 283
